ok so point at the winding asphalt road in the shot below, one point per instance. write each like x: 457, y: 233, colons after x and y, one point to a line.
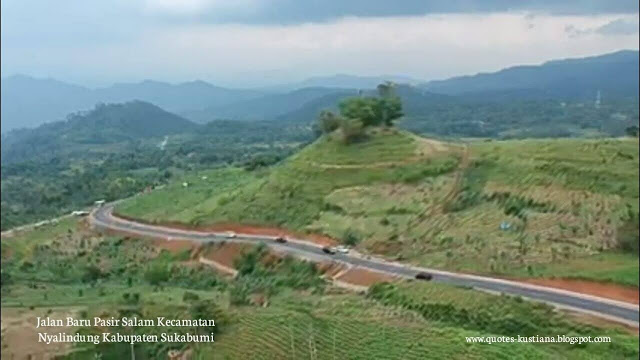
x: 622, y: 312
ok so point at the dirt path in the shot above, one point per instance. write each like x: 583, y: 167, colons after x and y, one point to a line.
x: 451, y: 194
x: 367, y: 166
x: 363, y: 277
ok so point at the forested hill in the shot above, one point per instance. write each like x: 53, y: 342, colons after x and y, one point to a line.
x: 614, y: 74
x: 105, y: 124
x: 29, y: 102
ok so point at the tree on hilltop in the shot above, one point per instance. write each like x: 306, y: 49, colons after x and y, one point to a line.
x: 389, y: 105
x: 358, y: 113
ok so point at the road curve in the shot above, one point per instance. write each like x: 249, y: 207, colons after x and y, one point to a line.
x: 103, y: 218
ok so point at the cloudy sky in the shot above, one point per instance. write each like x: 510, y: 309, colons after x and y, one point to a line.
x: 261, y: 42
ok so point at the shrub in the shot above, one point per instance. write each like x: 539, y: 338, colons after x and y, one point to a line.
x: 91, y: 274
x: 351, y: 238
x: 328, y: 121
x: 189, y: 296
x: 208, y: 310
x: 628, y: 236
x: 157, y: 273
x: 5, y: 278
x: 248, y: 262
x: 239, y: 294
x: 352, y: 130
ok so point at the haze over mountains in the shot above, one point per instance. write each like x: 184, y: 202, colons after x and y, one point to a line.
x: 29, y: 102
x: 615, y: 74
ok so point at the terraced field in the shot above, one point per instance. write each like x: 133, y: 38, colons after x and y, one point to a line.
x: 345, y: 327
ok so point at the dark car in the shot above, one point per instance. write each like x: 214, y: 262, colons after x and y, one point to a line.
x: 281, y: 239
x: 328, y: 250
x: 424, y: 276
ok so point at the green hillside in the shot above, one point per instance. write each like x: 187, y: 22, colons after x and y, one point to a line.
x: 526, y: 207
x: 293, y: 194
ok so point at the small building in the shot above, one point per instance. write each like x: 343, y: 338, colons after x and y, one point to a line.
x: 99, y: 202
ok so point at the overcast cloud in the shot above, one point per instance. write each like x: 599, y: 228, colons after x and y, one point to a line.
x: 260, y: 42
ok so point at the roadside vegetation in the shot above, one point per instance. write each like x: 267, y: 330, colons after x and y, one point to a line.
x: 274, y: 308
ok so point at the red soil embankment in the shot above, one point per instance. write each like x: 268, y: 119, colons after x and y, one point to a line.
x: 272, y: 231
x: 322, y: 240
x: 225, y: 254
x: 174, y: 246
x: 623, y: 293
x: 362, y: 277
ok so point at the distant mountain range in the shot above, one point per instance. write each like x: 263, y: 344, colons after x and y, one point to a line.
x: 614, y: 74
x: 416, y: 101
x: 267, y: 107
x: 344, y: 81
x: 29, y: 102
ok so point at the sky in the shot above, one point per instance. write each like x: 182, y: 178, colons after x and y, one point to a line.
x: 252, y: 43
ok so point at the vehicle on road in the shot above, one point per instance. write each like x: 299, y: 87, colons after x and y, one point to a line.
x: 424, y: 276
x: 342, y: 249
x: 231, y: 234
x: 329, y: 250
x: 102, y: 218
x: 281, y: 239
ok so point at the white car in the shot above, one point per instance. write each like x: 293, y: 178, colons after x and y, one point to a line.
x: 342, y: 249
x: 231, y: 234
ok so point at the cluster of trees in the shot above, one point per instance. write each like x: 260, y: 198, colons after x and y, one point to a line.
x: 62, y: 175
x: 357, y: 113
x: 260, y: 273
x: 522, y: 118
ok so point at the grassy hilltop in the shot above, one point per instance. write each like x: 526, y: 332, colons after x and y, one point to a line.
x: 563, y: 207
